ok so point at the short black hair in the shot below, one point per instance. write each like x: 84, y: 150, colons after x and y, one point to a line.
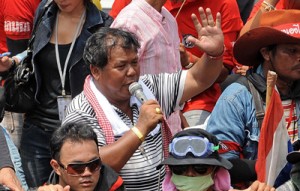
x: 75, y: 132
x: 98, y: 47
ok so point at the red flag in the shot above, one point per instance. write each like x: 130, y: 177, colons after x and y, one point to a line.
x: 274, y: 144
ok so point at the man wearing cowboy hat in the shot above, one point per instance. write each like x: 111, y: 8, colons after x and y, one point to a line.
x: 273, y: 45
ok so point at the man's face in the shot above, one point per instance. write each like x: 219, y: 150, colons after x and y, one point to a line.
x: 114, y: 79
x: 78, y: 152
x: 286, y: 61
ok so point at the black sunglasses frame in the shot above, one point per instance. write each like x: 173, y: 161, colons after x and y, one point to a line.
x: 85, y: 165
x: 200, y: 169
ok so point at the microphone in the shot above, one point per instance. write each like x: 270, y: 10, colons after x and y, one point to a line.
x: 137, y: 90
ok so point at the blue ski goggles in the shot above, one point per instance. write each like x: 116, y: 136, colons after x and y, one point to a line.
x: 198, y: 146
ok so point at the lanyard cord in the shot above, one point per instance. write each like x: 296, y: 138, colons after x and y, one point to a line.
x: 180, y: 9
x: 62, y: 75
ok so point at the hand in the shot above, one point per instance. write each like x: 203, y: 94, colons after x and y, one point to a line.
x: 149, y: 118
x: 210, y: 36
x: 8, y: 178
x: 241, y: 70
x: 257, y: 186
x: 5, y: 63
x: 55, y: 187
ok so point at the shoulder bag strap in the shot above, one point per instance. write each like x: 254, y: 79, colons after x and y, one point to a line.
x: 258, y: 102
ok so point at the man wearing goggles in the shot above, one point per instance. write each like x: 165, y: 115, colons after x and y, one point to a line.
x: 76, y: 162
x: 196, y: 165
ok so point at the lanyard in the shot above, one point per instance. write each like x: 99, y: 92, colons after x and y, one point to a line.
x: 62, y: 75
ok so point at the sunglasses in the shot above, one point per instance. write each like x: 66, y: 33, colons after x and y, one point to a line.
x: 77, y: 169
x: 181, y: 169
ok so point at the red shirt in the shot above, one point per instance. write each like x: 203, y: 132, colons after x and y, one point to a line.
x: 117, y: 6
x: 231, y: 26
x: 3, y: 47
x: 256, y: 7
x: 17, y: 16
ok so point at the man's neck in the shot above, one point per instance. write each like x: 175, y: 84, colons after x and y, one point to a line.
x: 156, y: 4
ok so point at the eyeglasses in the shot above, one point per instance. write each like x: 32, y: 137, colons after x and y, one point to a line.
x: 77, y: 169
x: 198, y: 146
x: 181, y: 169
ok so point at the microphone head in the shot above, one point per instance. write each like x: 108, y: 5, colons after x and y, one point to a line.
x: 134, y: 87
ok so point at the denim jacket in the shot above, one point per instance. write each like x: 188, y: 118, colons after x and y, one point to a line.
x: 234, y: 122
x: 78, y: 69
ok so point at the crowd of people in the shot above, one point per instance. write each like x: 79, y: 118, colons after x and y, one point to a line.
x: 191, y: 123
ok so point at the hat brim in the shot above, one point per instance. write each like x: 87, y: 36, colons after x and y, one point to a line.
x: 193, y: 161
x: 246, y: 50
x: 293, y: 157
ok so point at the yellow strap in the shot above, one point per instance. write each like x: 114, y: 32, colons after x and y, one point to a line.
x: 98, y: 4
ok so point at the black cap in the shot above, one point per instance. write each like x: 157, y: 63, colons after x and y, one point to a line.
x: 293, y: 157
x: 213, y: 159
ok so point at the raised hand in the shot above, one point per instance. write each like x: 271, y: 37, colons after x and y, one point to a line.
x: 210, y: 36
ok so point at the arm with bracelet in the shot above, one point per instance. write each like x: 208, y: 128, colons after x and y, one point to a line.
x: 134, y: 138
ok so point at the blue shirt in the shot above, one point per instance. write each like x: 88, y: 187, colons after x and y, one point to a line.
x: 234, y: 122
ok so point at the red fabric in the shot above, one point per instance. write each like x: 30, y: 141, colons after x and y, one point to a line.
x: 231, y: 25
x: 273, y: 142
x: 117, y: 184
x: 226, y: 146
x: 117, y: 6
x: 102, y: 120
x: 204, y: 101
x: 18, y: 18
x: 167, y: 136
x: 3, y: 46
x: 256, y: 7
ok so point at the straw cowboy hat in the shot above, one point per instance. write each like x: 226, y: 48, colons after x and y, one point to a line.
x: 275, y: 27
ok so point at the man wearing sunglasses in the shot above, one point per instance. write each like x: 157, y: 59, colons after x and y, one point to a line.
x: 76, y: 162
x: 196, y: 165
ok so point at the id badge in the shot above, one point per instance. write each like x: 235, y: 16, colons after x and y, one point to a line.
x: 63, y: 102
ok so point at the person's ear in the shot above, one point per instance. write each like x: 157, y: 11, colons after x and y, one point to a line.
x: 95, y: 71
x: 265, y: 52
x: 55, y: 166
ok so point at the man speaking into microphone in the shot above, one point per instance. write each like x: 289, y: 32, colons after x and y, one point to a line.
x: 131, y: 130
